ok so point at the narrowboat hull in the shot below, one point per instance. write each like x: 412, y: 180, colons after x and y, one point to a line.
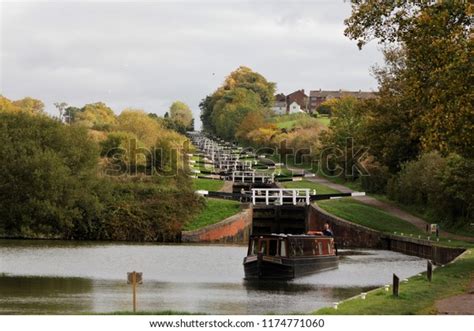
x: 264, y: 267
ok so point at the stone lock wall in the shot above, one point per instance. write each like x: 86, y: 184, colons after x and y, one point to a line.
x: 234, y: 229
x: 347, y: 234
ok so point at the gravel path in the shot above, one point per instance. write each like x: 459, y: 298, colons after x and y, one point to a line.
x: 462, y: 304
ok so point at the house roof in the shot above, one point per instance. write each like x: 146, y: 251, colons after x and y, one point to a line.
x: 280, y: 97
x: 341, y: 93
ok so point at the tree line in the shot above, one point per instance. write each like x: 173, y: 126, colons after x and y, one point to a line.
x: 57, y: 180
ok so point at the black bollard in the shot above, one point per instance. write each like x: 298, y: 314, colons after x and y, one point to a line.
x: 396, y: 283
x: 429, y: 270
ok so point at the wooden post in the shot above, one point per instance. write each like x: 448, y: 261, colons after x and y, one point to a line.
x: 429, y: 270
x: 134, y: 289
x: 396, y: 283
x: 134, y: 278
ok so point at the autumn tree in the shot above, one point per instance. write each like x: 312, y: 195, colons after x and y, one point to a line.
x: 181, y: 114
x: 96, y: 116
x: 242, y: 92
x: 28, y: 105
x: 137, y: 122
x: 428, y: 74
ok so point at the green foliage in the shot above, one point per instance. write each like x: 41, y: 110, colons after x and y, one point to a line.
x: 444, y: 185
x: 343, y: 141
x: 150, y: 210
x: 215, y: 210
x: 50, y: 188
x: 138, y: 123
x: 324, y: 109
x: 180, y: 114
x: 243, y: 92
x: 47, y: 177
x: 96, y: 116
x: 230, y: 110
x: 427, y: 81
x: 28, y: 105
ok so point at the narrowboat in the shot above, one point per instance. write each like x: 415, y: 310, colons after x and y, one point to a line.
x: 286, y: 256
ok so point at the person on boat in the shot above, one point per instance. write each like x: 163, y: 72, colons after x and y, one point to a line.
x: 327, y: 230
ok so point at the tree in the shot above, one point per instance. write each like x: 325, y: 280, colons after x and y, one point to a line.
x: 181, y: 114
x: 343, y: 141
x: 6, y: 105
x: 61, y: 106
x: 251, y: 121
x: 231, y: 109
x: 47, y: 181
x: 243, y: 91
x: 28, y: 105
x: 136, y: 121
x: 429, y: 67
x: 70, y: 114
x: 96, y: 116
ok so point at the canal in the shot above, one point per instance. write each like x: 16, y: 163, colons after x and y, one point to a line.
x: 60, y: 277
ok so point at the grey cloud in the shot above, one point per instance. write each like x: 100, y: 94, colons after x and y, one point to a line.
x: 147, y: 55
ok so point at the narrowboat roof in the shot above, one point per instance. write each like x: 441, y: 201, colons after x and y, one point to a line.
x: 284, y: 235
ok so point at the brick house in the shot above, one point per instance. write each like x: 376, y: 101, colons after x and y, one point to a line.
x: 317, y: 97
x: 295, y: 102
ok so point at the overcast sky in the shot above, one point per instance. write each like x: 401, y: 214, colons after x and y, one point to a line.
x: 148, y: 54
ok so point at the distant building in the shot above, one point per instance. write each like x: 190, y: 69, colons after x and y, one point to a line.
x: 295, y: 102
x: 316, y: 98
x: 279, y: 107
x: 294, y: 108
x: 300, y: 99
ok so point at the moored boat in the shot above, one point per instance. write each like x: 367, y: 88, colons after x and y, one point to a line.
x: 282, y: 256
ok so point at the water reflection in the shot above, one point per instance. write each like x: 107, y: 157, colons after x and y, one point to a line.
x: 70, y: 278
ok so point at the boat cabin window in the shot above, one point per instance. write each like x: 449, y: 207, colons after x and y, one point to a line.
x: 254, y: 247
x: 282, y: 248
x: 263, y: 247
x: 273, y: 247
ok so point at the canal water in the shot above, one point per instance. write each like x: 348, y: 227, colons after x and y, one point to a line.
x: 57, y: 277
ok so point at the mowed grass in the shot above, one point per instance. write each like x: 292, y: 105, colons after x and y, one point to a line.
x: 214, y: 211
x: 368, y: 216
x: 207, y: 184
x: 324, y: 120
x: 320, y: 189
x: 417, y: 296
x: 288, y: 125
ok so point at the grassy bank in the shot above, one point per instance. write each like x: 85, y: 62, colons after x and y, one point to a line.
x: 161, y: 312
x: 207, y: 184
x: 377, y: 219
x: 320, y: 189
x: 215, y: 211
x: 417, y: 296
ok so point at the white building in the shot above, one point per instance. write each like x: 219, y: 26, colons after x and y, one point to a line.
x: 294, y: 108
